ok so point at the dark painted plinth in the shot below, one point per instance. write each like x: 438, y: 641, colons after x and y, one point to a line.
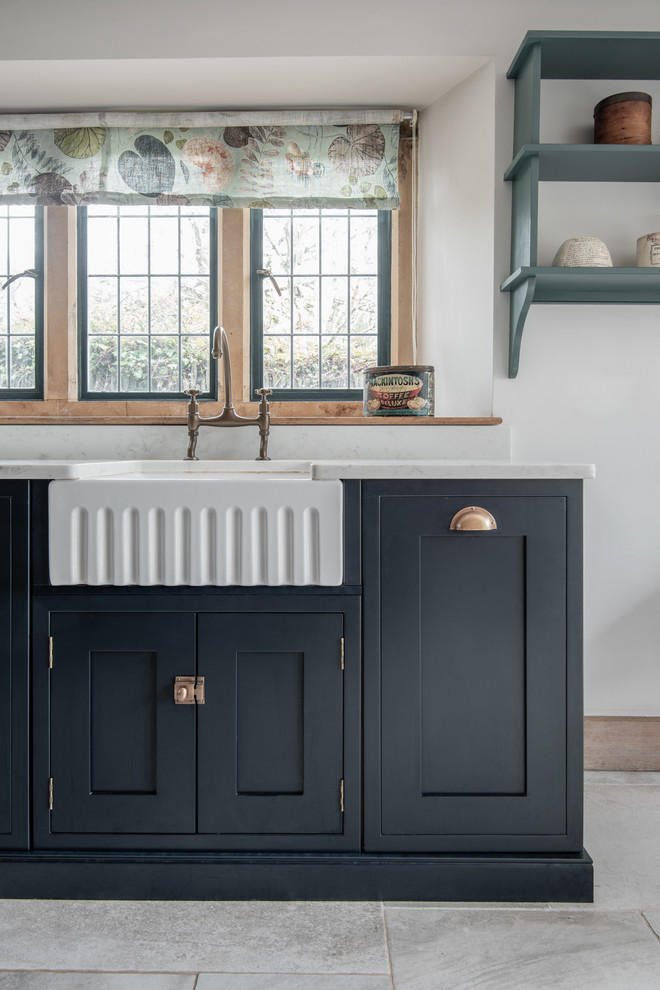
x: 154, y: 876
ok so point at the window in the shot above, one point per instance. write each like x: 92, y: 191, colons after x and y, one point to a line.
x: 332, y: 319
x: 129, y: 291
x: 21, y: 302
x: 147, y: 300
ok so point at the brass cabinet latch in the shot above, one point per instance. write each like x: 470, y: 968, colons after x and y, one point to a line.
x: 188, y: 690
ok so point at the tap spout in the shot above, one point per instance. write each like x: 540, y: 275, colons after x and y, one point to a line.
x: 228, y: 416
x: 221, y: 350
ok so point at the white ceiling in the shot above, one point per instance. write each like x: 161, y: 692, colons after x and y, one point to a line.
x: 231, y: 83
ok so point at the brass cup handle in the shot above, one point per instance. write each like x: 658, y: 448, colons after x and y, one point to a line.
x: 473, y: 517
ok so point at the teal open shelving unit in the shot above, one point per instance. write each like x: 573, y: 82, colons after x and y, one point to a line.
x: 572, y: 55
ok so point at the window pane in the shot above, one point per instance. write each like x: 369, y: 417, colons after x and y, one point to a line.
x: 4, y: 381
x: 195, y: 362
x: 305, y: 362
x: 101, y: 246
x: 21, y: 244
x: 277, y: 309
x: 134, y: 304
x: 364, y: 354
x: 277, y: 245
x: 306, y: 305
x: 22, y: 362
x: 165, y: 364
x: 139, y: 294
x: 305, y: 245
x: 134, y: 246
x: 194, y: 305
x: 334, y: 305
x: 102, y: 305
x: 195, y: 246
x: 164, y: 305
x: 277, y: 362
x: 21, y: 306
x: 134, y: 364
x: 364, y: 305
x: 103, y: 360
x: 364, y: 246
x: 334, y: 368
x: 334, y: 244
x: 164, y: 246
x: 3, y: 244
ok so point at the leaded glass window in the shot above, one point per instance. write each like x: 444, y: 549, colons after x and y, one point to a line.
x: 332, y: 319
x: 147, y: 300
x: 21, y: 302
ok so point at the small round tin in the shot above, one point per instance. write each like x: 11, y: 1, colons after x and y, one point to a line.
x: 399, y: 390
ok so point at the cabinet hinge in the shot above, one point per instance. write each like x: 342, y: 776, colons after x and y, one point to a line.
x: 50, y: 652
x: 341, y: 795
x: 50, y: 794
x: 341, y: 653
x: 189, y: 690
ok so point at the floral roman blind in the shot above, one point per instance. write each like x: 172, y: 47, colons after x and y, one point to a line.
x: 227, y: 159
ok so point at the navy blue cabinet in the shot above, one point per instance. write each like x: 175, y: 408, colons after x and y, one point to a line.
x: 13, y: 664
x: 472, y: 669
x: 415, y: 734
x: 260, y: 764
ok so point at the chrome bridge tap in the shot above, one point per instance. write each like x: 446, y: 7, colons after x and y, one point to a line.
x: 228, y: 416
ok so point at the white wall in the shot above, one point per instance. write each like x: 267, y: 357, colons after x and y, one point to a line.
x: 456, y: 244
x: 587, y: 390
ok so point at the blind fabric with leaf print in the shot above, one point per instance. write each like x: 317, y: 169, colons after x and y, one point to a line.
x: 293, y: 159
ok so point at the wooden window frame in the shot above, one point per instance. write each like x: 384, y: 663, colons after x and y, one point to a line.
x: 61, y: 404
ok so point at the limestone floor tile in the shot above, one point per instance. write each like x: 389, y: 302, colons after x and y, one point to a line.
x: 471, y: 905
x: 525, y: 950
x: 193, y: 936
x: 653, y: 918
x: 95, y: 981
x: 621, y: 815
x: 287, y: 981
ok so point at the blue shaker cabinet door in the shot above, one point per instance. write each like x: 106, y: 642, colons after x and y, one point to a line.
x: 122, y: 753
x: 472, y: 677
x: 271, y: 734
x: 13, y: 663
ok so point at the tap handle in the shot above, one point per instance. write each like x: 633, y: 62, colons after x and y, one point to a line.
x: 193, y: 393
x: 263, y: 392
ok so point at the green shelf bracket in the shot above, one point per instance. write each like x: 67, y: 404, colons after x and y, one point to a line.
x: 522, y: 297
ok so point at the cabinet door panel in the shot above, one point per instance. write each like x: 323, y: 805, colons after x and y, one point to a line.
x: 13, y: 663
x: 122, y: 753
x: 473, y: 646
x: 270, y: 735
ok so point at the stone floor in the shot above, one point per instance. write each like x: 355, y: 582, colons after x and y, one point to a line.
x: 613, y: 944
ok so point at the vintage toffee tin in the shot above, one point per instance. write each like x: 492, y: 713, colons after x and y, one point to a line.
x: 399, y: 390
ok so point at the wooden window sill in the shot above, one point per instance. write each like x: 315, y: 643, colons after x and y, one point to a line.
x: 55, y: 413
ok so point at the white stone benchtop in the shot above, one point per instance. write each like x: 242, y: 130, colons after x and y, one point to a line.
x: 399, y: 469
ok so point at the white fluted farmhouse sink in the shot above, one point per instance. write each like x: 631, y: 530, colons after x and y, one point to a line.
x: 196, y: 523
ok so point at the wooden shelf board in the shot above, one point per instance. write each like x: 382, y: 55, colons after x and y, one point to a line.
x: 593, y: 54
x: 590, y: 162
